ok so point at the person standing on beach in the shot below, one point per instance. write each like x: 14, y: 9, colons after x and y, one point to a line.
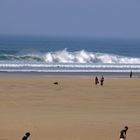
x: 131, y: 74
x: 96, y: 80
x: 102, y: 81
x: 26, y: 136
x: 123, y: 133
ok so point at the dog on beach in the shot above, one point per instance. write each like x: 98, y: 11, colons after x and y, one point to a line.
x: 55, y: 83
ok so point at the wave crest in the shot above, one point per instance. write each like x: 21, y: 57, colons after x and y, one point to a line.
x: 83, y: 56
x: 65, y: 56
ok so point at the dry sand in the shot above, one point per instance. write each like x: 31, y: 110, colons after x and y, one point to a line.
x: 75, y: 109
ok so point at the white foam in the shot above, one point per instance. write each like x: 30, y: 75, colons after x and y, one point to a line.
x: 66, y: 61
x: 87, y: 57
x: 65, y: 56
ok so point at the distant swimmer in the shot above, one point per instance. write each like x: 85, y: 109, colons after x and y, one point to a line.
x: 25, y: 137
x: 123, y: 133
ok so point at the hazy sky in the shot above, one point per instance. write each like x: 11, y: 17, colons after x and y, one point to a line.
x: 80, y: 18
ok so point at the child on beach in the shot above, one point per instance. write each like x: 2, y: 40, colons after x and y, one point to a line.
x: 123, y: 133
x: 26, y: 136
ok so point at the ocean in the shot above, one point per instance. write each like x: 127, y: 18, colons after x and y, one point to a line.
x: 64, y: 56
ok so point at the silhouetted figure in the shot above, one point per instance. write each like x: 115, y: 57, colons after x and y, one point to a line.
x: 123, y: 133
x: 96, y: 80
x: 102, y: 81
x: 55, y: 83
x: 131, y: 74
x: 26, y: 136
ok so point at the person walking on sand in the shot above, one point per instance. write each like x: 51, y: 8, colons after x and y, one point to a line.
x: 96, y: 80
x: 102, y: 81
x: 25, y: 137
x: 123, y: 133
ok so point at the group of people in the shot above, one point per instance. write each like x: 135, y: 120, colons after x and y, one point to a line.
x: 101, y: 81
x: 122, y: 134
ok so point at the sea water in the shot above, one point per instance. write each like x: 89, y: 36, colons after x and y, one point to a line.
x: 37, y: 55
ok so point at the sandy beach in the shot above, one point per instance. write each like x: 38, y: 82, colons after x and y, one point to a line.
x: 75, y: 109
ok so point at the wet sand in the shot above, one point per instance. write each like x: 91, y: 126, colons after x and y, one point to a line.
x: 75, y: 109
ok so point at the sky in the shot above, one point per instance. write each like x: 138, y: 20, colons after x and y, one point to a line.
x: 71, y: 18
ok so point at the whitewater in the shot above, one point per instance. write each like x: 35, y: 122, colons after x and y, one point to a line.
x: 28, y: 54
x: 65, y: 61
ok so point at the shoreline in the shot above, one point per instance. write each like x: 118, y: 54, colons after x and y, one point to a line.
x: 65, y: 74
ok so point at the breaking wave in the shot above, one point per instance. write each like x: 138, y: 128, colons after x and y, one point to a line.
x: 64, y: 56
x: 65, y: 61
x: 87, y: 57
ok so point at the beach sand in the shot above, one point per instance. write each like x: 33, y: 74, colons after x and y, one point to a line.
x: 75, y: 109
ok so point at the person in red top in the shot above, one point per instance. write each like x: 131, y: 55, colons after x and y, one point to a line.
x: 123, y: 133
